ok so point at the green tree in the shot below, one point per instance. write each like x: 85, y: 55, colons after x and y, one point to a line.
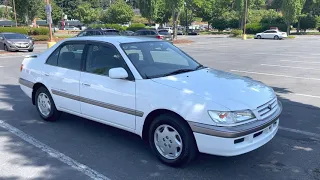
x: 28, y: 10
x: 175, y: 6
x: 56, y: 13
x: 86, y: 13
x: 183, y: 19
x: 148, y: 9
x: 291, y: 10
x: 68, y: 6
x: 118, y: 13
x: 163, y: 14
x: 308, y: 22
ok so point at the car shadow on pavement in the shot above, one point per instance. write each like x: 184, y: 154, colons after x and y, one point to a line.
x: 122, y: 155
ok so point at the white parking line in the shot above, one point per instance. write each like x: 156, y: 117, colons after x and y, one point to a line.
x: 1, y: 66
x: 273, y: 65
x: 279, y: 75
x: 301, y: 61
x: 300, y: 132
x: 306, y: 95
x: 54, y: 153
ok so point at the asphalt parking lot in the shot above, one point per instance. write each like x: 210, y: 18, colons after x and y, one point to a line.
x: 76, y: 148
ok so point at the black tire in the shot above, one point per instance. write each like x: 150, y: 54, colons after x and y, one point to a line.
x: 189, y: 149
x: 30, y: 50
x: 5, y: 48
x: 259, y: 37
x: 276, y: 37
x: 54, y: 113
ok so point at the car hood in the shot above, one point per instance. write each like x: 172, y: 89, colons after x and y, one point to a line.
x: 19, y: 40
x: 231, y: 91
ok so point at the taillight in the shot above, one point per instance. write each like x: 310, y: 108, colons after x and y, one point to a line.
x: 21, y: 67
x: 160, y: 37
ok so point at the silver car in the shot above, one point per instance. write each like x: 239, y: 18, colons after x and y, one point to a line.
x: 15, y: 42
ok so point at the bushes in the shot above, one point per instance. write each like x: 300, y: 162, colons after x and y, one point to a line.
x: 40, y: 38
x: 254, y: 28
x: 21, y: 30
x: 135, y: 27
x: 26, y: 30
x: 39, y: 31
x: 236, y: 32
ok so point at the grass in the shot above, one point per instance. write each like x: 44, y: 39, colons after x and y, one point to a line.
x: 249, y: 36
x: 214, y: 33
x: 306, y: 33
x: 291, y: 37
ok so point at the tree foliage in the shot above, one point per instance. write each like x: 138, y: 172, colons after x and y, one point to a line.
x: 86, y: 13
x: 163, y: 14
x: 148, y: 9
x: 56, y: 13
x: 291, y: 9
x: 118, y: 13
x: 28, y: 10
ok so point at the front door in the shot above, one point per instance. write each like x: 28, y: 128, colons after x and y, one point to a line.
x: 62, y: 75
x: 103, y: 98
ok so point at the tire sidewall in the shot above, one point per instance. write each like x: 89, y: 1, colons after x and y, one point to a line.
x: 259, y: 37
x: 45, y: 91
x: 186, y: 137
x: 276, y: 37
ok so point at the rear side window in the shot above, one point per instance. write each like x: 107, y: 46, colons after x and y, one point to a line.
x: 111, y: 32
x: 164, y: 33
x: 70, y: 56
x: 53, y: 59
x: 151, y: 33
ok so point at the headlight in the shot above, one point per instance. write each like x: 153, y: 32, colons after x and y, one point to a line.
x: 231, y: 118
x: 10, y: 42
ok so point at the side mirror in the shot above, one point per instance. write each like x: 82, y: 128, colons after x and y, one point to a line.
x: 118, y: 73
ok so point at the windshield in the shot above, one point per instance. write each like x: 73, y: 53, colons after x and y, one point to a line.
x: 158, y: 59
x: 14, y: 36
x: 164, y: 33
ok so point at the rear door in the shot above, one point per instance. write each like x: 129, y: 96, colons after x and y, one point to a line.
x: 62, y: 75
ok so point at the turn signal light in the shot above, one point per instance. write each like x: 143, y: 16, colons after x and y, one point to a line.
x: 21, y: 67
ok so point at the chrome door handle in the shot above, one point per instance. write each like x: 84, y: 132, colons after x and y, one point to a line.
x: 86, y: 84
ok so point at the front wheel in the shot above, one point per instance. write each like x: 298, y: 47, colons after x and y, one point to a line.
x: 6, y: 48
x: 46, y: 106
x: 172, y: 140
x: 276, y: 37
x: 30, y: 50
x: 259, y: 37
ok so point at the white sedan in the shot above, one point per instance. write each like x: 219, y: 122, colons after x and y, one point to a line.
x: 271, y: 34
x: 152, y: 89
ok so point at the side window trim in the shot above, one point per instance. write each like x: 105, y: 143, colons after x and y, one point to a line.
x: 130, y: 74
x: 58, y: 49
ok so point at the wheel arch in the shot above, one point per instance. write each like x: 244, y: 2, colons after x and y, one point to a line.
x: 153, y: 114
x: 35, y: 87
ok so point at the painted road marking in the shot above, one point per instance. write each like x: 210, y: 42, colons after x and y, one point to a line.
x: 301, y: 61
x: 306, y: 95
x: 54, y: 153
x: 273, y: 65
x: 1, y: 66
x: 279, y: 75
x: 300, y: 132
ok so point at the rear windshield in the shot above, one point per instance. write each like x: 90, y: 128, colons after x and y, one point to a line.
x: 111, y: 32
x: 164, y: 33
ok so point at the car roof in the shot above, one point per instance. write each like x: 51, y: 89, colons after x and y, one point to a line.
x: 113, y: 39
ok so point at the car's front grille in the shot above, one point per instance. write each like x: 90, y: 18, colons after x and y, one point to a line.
x: 23, y: 45
x: 268, y: 108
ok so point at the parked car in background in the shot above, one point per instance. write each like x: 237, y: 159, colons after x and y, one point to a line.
x: 71, y: 28
x: 169, y: 29
x: 193, y: 32
x: 271, y: 34
x: 180, y: 32
x: 166, y: 35
x: 153, y: 89
x: 126, y: 33
x: 16, y: 42
x: 151, y: 34
x: 97, y: 32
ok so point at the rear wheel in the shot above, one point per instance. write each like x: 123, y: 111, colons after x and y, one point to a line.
x: 276, y: 37
x: 46, y: 106
x: 172, y: 140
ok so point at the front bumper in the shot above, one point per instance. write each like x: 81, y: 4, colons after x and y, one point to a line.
x: 14, y: 47
x: 232, y: 141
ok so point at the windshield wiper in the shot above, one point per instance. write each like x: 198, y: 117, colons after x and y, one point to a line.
x: 200, y: 66
x: 178, y: 71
